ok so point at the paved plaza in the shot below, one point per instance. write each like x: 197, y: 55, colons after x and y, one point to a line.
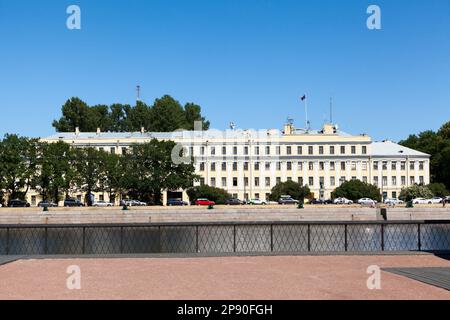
x: 264, y: 277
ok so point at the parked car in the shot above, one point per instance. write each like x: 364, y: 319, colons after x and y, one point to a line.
x: 435, y: 200
x: 135, y: 203
x: 367, y: 202
x: 102, y: 204
x: 420, y: 201
x: 257, y: 202
x: 342, y: 200
x: 176, y: 202
x: 233, y: 202
x: 287, y: 200
x: 16, y: 203
x: 46, y: 204
x: 320, y: 201
x: 447, y: 199
x: 204, y: 202
x: 393, y: 201
x: 71, y: 202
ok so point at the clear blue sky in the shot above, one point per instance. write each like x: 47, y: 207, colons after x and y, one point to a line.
x: 246, y: 61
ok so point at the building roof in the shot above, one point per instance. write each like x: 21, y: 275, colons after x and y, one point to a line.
x: 389, y: 148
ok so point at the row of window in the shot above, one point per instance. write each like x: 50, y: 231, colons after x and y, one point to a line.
x: 310, y: 181
x: 311, y: 165
x: 288, y: 150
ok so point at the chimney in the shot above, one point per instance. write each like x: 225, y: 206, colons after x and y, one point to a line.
x: 77, y: 131
x: 98, y: 131
x: 142, y: 130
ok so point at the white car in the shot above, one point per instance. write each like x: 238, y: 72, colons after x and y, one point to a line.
x: 435, y: 200
x: 342, y: 200
x: 135, y: 203
x: 393, y: 201
x: 367, y: 202
x: 102, y: 204
x: 257, y: 202
x: 420, y: 201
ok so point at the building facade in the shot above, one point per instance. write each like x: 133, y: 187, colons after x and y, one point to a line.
x: 249, y: 163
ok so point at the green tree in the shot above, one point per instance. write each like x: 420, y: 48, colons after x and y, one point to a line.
x: 167, y: 115
x: 219, y: 196
x: 438, y: 189
x: 356, y: 189
x: 18, y: 160
x: 75, y: 113
x: 149, y: 169
x: 110, y: 173
x: 415, y: 191
x: 291, y: 188
x: 87, y: 165
x: 193, y: 112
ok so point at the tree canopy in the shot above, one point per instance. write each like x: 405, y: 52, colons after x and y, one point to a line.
x: 218, y: 195
x: 290, y: 188
x: 356, y: 189
x: 437, y: 144
x: 415, y: 191
x: 165, y: 115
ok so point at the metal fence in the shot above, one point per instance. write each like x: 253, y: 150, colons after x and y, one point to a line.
x: 227, y: 238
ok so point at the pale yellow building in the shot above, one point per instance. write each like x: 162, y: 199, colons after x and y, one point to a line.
x: 249, y: 163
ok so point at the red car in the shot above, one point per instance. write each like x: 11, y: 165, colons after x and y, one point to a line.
x: 204, y: 202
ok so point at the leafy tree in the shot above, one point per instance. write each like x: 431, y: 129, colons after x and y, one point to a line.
x: 438, y: 189
x: 111, y: 173
x: 167, y: 115
x: 87, y: 164
x: 415, y: 191
x: 75, y: 113
x: 356, y: 189
x: 219, y: 196
x: 291, y: 188
x: 193, y: 112
x: 18, y: 159
x: 149, y: 169
x: 56, y: 173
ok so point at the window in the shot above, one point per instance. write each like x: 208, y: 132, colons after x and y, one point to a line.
x: 311, y: 181
x: 213, y: 182
x: 320, y: 149
x: 384, y: 165
x: 321, y: 165
x: 224, y: 150
x: 267, y: 150
x: 384, y: 181
x: 311, y: 165
x: 332, y: 181
x: 300, y: 180
x: 364, y: 179
x: 267, y: 165
x: 257, y: 150
x: 353, y: 165
x: 332, y: 150
x: 411, y: 180
x: 278, y: 150
x: 202, y: 181
x: 267, y: 182
x: 321, y: 182
x: 245, y: 150
x: 403, y: 165
x: 394, y: 194
x: 289, y: 165
x: 33, y: 200
x: 278, y: 180
x: 353, y: 150
x: 288, y: 150
x: 394, y: 165
x: 278, y: 165
x: 202, y: 151
x: 375, y: 181
x: 246, y: 166
x: 235, y: 182
x: 342, y: 180
x: 394, y: 181
x: 256, y: 165
x: 420, y: 179
x: 364, y: 150
x: 411, y: 165
x: 421, y: 165
x: 343, y: 165
x: 310, y: 150
x: 235, y: 150
x: 224, y: 182
x: 403, y: 180
x: 224, y: 166
x: 202, y: 166
x: 191, y: 151
x: 124, y: 151
x: 267, y: 196
x: 256, y: 181
x: 101, y: 197
x: 364, y: 165
x: 113, y: 150
x: 375, y: 165
x: 213, y: 151
x: 299, y: 150
x: 257, y: 195
x: 300, y: 165
x: 235, y: 165
x: 332, y: 165
x: 213, y: 166
x: 246, y: 181
x: 342, y: 149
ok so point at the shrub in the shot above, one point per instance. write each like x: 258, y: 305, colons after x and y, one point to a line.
x: 356, y: 189
x: 219, y: 196
x: 291, y: 188
x: 415, y: 191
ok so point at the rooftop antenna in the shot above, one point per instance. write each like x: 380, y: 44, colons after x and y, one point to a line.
x: 290, y: 121
x: 232, y: 125
x: 138, y: 93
